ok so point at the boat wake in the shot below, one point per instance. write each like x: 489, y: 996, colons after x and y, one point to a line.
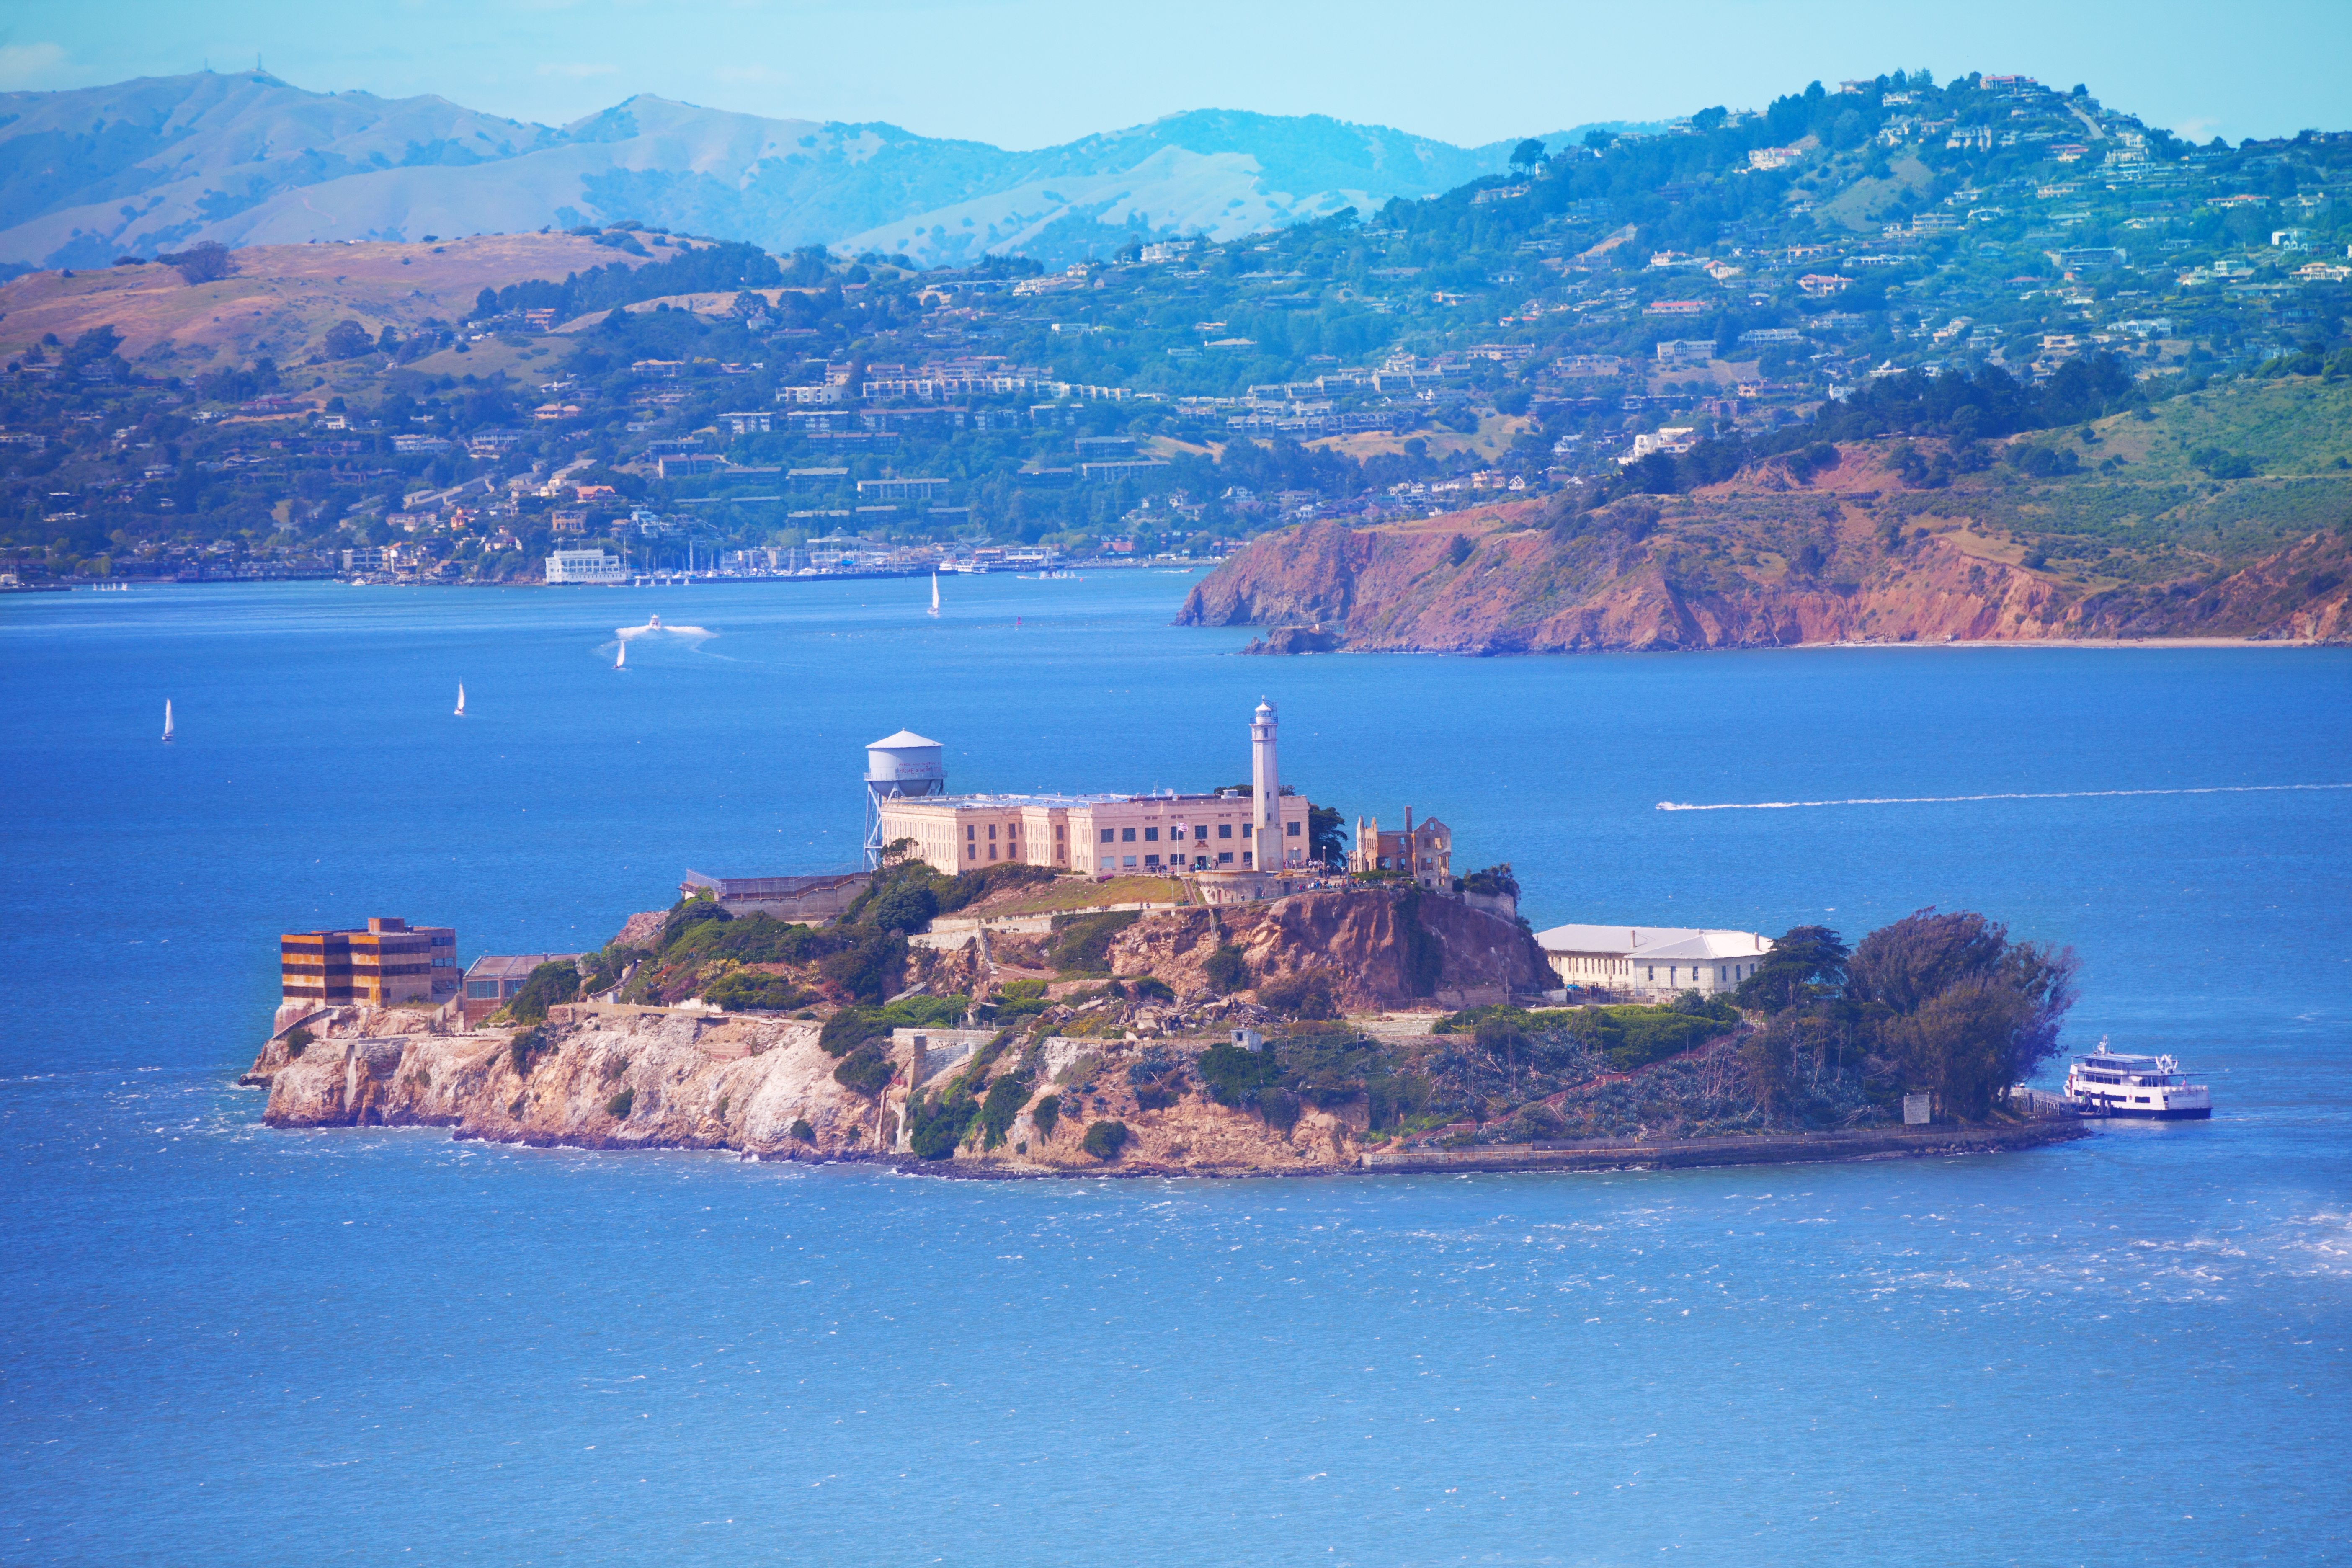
x: 1957, y: 799
x: 654, y: 628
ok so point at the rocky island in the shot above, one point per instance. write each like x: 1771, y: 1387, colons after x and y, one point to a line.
x: 1003, y: 1023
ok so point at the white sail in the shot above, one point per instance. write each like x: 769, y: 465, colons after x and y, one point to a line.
x: 461, y: 699
x: 167, y: 718
x: 620, y: 659
x: 935, y: 593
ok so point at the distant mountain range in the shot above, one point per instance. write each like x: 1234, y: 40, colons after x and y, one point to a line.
x: 244, y: 158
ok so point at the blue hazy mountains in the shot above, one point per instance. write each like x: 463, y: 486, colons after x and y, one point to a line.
x: 246, y: 159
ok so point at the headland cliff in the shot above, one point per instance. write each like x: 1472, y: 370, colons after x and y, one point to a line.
x: 1849, y: 553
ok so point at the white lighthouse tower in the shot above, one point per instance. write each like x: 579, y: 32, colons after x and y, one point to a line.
x: 1265, y: 789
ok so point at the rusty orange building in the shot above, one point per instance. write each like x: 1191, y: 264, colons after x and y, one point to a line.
x: 390, y: 962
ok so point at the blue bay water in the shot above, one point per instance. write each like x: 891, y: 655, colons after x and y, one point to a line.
x: 224, y: 1344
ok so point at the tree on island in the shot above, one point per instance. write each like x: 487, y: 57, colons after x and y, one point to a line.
x: 1327, y: 835
x: 1941, y: 1003
x: 1527, y: 154
x: 206, y: 263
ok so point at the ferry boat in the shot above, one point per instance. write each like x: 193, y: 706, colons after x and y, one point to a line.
x: 2109, y: 1083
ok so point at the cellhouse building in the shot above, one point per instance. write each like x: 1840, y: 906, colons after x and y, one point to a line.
x: 1247, y: 835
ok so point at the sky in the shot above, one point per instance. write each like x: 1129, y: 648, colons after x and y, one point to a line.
x: 1032, y: 73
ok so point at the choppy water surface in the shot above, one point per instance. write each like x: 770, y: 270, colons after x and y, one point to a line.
x: 224, y: 1344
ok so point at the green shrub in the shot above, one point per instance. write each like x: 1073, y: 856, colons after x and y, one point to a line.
x: 845, y: 1029
x: 906, y: 905
x: 1226, y: 969
x: 1501, y: 1036
x: 1535, y: 1122
x: 1303, y: 996
x: 1150, y: 988
x: 549, y: 983
x: 527, y: 1048
x: 1279, y: 1107
x: 618, y: 1106
x: 1495, y: 881
x: 1046, y: 1113
x: 1391, y: 1098
x: 748, y: 990
x: 605, y: 964
x: 760, y: 939
x: 866, y: 1071
x: 802, y: 1131
x: 971, y: 887
x: 1647, y: 1034
x: 1081, y: 943
x: 1234, y: 1074
x: 1018, y: 999
x: 935, y: 1125
x: 704, y: 907
x: 870, y: 970
x: 1005, y: 1098
x: 927, y: 1012
x: 1105, y: 1140
x: 298, y: 1040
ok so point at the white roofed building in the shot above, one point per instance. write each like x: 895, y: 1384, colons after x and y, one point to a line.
x: 585, y: 566
x: 1653, y: 962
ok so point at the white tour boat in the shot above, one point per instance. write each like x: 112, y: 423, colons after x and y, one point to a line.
x: 2108, y: 1083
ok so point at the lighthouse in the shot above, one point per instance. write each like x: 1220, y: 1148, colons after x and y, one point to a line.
x: 1265, y: 789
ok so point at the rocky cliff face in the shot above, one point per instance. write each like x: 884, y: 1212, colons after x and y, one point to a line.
x: 1738, y: 568
x: 648, y: 1080
x: 1376, y: 948
x: 621, y: 1077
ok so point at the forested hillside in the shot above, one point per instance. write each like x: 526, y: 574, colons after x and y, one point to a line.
x: 1985, y: 288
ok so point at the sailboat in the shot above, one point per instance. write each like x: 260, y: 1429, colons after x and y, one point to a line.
x: 167, y: 718
x: 461, y: 699
x: 620, y: 659
x: 934, y: 593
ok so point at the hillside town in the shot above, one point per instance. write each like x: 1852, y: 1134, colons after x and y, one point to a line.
x: 1628, y: 313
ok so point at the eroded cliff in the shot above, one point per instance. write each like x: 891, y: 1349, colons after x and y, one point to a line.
x: 1755, y: 562
x: 642, y: 1078
x: 607, y: 1075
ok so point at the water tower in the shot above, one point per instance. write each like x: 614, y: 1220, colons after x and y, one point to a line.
x: 904, y: 764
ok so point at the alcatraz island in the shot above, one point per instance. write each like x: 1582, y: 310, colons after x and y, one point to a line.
x: 1214, y: 984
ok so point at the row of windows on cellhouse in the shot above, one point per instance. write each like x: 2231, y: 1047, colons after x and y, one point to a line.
x: 1175, y: 862
x: 1200, y: 833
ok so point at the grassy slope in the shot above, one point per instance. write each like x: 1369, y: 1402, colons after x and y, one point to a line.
x: 1077, y: 893
x: 2158, y: 517
x: 2141, y: 517
x: 282, y: 298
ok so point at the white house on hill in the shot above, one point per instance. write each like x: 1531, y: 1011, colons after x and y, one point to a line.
x: 1652, y: 960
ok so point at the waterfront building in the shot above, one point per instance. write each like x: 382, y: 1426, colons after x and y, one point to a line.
x: 585, y: 566
x: 1424, y: 850
x: 1653, y: 962
x: 390, y: 962
x: 1255, y: 830
x: 492, y: 980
